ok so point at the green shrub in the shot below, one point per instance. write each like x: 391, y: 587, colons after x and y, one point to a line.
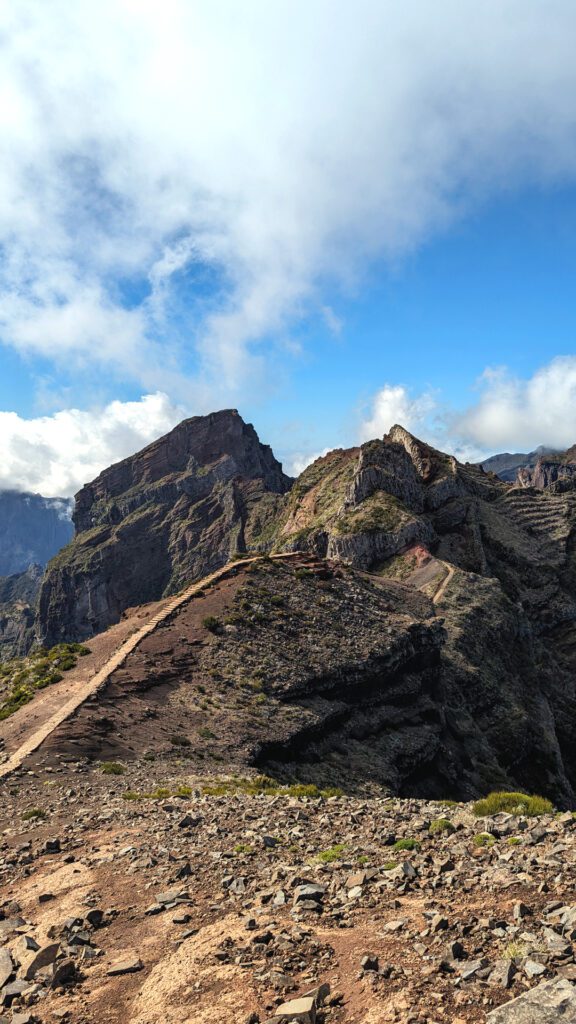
x: 40, y: 669
x: 242, y: 848
x: 389, y: 865
x: 484, y: 839
x: 34, y: 814
x: 206, y: 734
x: 333, y: 853
x: 514, y: 841
x: 112, y: 768
x: 441, y: 825
x: 211, y: 623
x: 512, y: 803
x: 406, y: 844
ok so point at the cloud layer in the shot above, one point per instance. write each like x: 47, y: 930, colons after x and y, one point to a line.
x: 55, y: 455
x: 245, y: 154
x: 510, y: 413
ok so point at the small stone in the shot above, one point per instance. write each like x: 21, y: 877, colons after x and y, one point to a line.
x: 533, y: 969
x: 369, y: 963
x: 305, y: 893
x: 128, y: 966
x: 300, y: 1011
x: 438, y: 923
x: 520, y: 911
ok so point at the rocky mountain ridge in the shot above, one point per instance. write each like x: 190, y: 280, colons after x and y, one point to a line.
x: 551, y: 472
x: 447, y: 551
x: 153, y: 522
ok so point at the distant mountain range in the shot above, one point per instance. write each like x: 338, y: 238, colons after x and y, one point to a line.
x: 507, y: 465
x: 32, y: 529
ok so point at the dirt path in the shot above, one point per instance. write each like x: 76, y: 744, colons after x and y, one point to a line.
x: 82, y: 686
x: 444, y: 583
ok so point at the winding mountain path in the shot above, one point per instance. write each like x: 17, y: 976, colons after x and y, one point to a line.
x: 36, y: 737
x: 444, y: 583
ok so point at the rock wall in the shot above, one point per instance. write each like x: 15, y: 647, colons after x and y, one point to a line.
x: 150, y: 524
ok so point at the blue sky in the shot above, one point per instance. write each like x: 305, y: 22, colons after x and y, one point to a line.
x: 329, y: 218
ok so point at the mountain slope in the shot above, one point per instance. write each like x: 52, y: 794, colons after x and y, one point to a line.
x: 434, y: 541
x: 149, y: 525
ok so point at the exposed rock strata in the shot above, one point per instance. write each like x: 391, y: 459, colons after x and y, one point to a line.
x: 499, y: 561
x: 150, y: 524
x: 551, y: 472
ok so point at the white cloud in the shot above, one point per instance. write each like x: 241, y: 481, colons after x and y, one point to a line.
x: 511, y: 413
x: 298, y: 461
x: 281, y: 144
x: 394, y: 404
x: 518, y: 415
x: 55, y: 455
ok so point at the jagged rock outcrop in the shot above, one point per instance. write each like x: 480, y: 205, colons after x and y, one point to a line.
x: 507, y: 464
x: 171, y: 513
x: 32, y: 529
x: 497, y: 562
x: 366, y: 504
x: 555, y: 473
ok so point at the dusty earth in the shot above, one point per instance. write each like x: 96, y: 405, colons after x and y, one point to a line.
x: 197, y: 899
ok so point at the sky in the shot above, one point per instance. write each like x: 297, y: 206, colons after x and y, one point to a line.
x: 330, y: 216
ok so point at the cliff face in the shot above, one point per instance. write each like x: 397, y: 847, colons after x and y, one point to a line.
x: 555, y: 472
x: 174, y: 512
x: 496, y: 564
x: 365, y: 505
x: 506, y: 465
x: 32, y: 530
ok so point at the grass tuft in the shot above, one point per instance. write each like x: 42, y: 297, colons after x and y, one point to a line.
x: 406, y: 844
x: 112, y: 768
x: 441, y: 825
x: 512, y: 803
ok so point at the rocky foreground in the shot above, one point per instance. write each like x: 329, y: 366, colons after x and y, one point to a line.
x: 137, y: 894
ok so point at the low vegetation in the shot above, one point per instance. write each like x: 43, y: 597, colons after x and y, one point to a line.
x: 211, y: 623
x: 512, y: 803
x: 263, y: 785
x: 484, y: 839
x: 406, y: 844
x: 332, y: 854
x: 20, y: 678
x: 34, y: 814
x: 112, y: 768
x: 440, y: 826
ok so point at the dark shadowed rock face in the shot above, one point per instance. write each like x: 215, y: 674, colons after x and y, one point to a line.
x: 171, y: 513
x: 32, y: 530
